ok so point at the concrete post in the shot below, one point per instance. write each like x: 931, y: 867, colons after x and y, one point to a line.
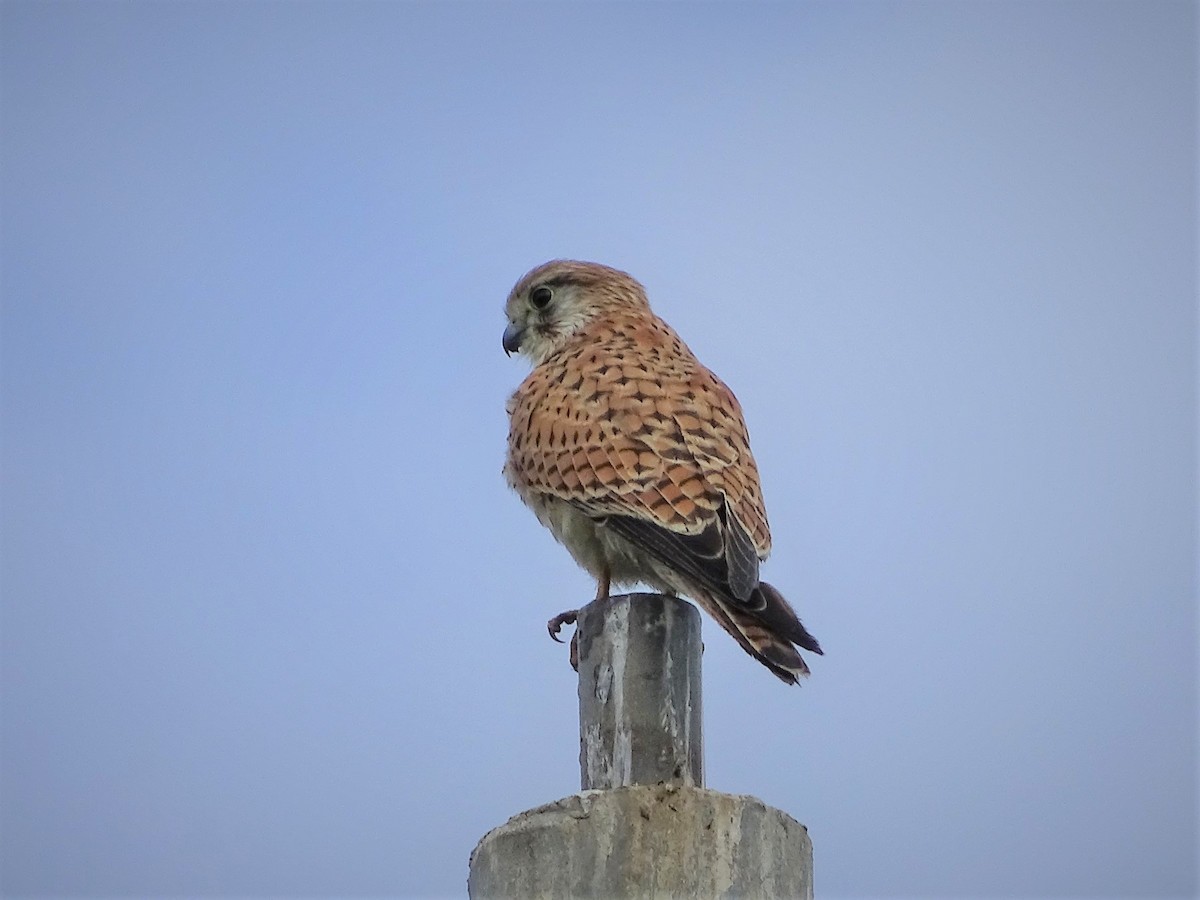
x: 643, y: 826
x: 639, y: 692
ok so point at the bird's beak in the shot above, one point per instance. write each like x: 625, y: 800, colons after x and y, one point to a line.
x: 512, y: 339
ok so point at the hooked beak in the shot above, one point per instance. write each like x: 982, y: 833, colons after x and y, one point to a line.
x: 512, y: 339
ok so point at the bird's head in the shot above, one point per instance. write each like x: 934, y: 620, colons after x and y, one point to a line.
x: 555, y: 301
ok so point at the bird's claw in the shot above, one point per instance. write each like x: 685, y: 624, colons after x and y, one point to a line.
x: 554, y: 626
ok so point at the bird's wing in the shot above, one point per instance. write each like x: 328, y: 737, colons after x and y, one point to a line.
x: 634, y: 431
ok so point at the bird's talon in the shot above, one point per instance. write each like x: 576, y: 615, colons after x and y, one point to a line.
x: 554, y: 626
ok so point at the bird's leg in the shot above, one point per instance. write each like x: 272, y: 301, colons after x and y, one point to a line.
x: 603, y: 583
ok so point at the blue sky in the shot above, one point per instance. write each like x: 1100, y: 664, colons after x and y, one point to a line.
x: 271, y: 623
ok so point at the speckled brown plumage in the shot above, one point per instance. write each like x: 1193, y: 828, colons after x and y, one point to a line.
x: 637, y: 457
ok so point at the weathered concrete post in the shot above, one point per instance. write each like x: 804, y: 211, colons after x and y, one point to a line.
x: 643, y: 826
x: 639, y: 692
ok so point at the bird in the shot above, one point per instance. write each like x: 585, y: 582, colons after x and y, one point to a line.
x: 637, y: 459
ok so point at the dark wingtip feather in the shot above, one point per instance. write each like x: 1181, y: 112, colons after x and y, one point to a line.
x: 777, y: 614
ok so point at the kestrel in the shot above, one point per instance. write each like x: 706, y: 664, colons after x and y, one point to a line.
x: 636, y: 456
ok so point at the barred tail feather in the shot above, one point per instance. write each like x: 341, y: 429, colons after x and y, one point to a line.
x: 768, y: 634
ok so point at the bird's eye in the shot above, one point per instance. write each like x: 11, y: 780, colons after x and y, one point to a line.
x: 540, y: 296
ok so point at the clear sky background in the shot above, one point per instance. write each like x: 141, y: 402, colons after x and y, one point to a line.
x: 272, y: 625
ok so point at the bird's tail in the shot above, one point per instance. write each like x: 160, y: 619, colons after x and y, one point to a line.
x: 770, y: 633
